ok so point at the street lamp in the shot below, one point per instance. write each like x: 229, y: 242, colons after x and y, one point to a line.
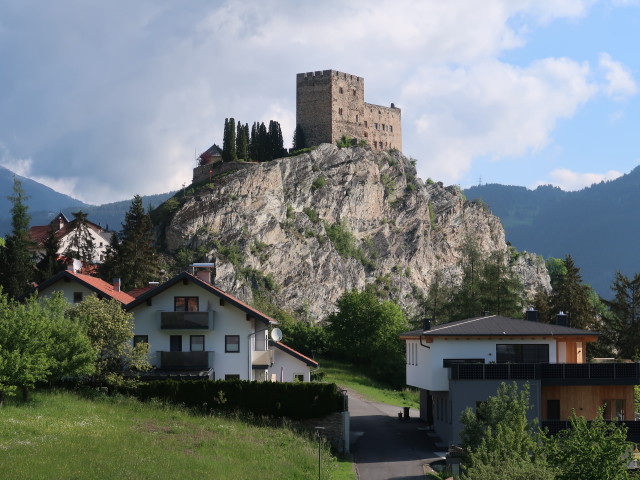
x: 319, y: 431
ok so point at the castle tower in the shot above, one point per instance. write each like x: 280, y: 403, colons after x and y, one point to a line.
x: 330, y: 104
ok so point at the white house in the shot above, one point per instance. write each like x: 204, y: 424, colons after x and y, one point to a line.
x: 459, y: 364
x: 62, y: 229
x: 76, y: 286
x: 194, y: 328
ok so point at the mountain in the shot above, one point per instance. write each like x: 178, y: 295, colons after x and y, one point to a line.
x: 308, y: 228
x: 599, y: 225
x: 44, y: 203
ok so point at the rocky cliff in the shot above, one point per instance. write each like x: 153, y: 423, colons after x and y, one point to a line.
x: 312, y: 226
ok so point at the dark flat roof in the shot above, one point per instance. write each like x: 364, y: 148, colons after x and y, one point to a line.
x: 495, y: 325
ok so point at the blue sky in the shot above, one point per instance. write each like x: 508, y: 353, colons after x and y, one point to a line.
x: 103, y: 100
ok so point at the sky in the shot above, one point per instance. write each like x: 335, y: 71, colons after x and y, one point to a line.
x: 105, y: 100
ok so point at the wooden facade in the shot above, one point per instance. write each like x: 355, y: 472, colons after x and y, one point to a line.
x: 586, y: 399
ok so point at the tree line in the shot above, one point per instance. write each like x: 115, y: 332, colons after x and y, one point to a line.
x: 258, y: 144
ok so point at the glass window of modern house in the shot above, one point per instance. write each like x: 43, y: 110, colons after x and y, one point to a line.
x: 522, y: 353
x: 185, y: 304
x: 175, y: 343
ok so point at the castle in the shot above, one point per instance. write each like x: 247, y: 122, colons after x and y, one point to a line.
x: 330, y: 104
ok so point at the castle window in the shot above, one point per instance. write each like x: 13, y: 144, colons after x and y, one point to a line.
x: 375, y: 125
x: 391, y: 128
x: 383, y: 126
x: 357, y: 118
x: 354, y: 92
x: 340, y: 90
x: 340, y: 111
x: 366, y: 134
x: 375, y: 144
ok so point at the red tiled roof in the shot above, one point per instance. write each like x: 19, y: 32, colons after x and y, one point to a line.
x: 39, y: 233
x: 296, y: 354
x: 93, y: 283
x: 136, y: 292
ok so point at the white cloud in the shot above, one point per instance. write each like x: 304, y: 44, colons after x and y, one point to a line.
x: 570, y: 181
x: 117, y: 107
x: 490, y: 109
x: 620, y: 81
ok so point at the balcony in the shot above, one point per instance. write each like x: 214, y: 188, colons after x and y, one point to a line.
x: 551, y: 373
x: 261, y: 359
x: 186, y: 320
x: 633, y: 427
x: 185, y: 360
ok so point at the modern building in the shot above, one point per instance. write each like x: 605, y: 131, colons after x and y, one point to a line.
x: 330, y: 104
x: 459, y: 364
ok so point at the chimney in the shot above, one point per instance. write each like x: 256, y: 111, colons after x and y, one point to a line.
x: 562, y: 319
x: 532, y: 314
x: 426, y: 324
x: 204, y: 271
x: 116, y: 284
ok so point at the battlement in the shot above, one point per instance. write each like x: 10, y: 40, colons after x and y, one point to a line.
x: 330, y: 104
x: 326, y: 75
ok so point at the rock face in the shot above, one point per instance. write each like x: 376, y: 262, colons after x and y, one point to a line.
x: 335, y: 219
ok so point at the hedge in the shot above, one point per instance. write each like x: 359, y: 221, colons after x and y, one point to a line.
x: 297, y: 401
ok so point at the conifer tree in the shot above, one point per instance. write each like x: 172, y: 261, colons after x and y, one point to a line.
x: 625, y: 309
x: 48, y: 265
x: 299, y: 141
x: 17, y: 266
x: 571, y: 296
x: 229, y: 153
x: 132, y: 254
x: 81, y: 244
x: 242, y: 142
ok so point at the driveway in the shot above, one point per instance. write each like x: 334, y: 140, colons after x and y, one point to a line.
x: 385, y: 447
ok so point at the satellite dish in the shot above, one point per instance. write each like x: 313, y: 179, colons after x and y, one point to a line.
x: 276, y: 334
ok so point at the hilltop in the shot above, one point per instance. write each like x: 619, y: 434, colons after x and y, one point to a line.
x: 307, y: 228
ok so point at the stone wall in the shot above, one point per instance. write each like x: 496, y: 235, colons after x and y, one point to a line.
x: 201, y: 173
x: 330, y: 104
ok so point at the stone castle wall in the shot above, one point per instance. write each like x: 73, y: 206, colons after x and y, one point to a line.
x: 330, y: 104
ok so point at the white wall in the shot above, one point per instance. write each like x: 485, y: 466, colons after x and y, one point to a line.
x: 100, y: 241
x: 429, y: 373
x: 289, y: 366
x: 67, y: 289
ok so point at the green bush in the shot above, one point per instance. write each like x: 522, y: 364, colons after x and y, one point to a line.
x: 298, y: 401
x: 318, y: 183
x: 312, y: 214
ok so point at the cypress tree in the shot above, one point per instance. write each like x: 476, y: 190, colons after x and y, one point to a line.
x: 225, y: 141
x: 233, y: 154
x: 17, y: 266
x: 253, y: 143
x: 299, y: 141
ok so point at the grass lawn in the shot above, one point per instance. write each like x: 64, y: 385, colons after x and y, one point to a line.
x: 350, y: 377
x: 64, y: 436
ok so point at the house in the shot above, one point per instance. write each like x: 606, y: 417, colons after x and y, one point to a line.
x: 62, y: 228
x: 460, y: 364
x: 76, y: 286
x: 194, y: 329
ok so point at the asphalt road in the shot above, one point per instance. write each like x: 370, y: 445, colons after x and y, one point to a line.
x: 385, y: 447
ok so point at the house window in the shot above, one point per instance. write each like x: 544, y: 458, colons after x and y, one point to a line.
x: 137, y: 339
x: 232, y: 343
x: 298, y: 377
x: 614, y: 409
x: 232, y: 376
x: 522, y: 353
x: 553, y: 409
x: 77, y: 297
x: 175, y: 343
x: 185, y: 304
x: 197, y: 343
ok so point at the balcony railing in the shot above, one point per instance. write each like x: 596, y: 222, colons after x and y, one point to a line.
x: 185, y: 321
x: 550, y: 373
x: 633, y: 427
x: 184, y: 360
